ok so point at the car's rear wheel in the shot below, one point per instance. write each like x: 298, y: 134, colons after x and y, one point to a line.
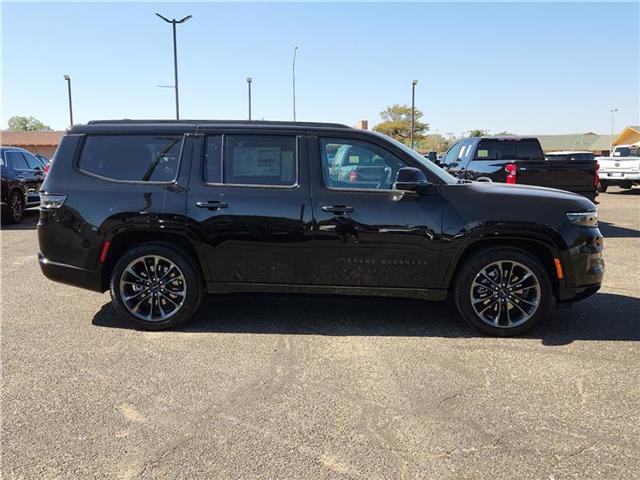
x: 503, y: 291
x: 156, y: 286
x: 13, y: 211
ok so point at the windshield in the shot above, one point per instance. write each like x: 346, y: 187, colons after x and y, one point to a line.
x: 430, y: 166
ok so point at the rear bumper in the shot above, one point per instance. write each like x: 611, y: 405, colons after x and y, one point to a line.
x: 71, y: 275
x: 613, y: 177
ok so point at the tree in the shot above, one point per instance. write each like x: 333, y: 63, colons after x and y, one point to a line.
x: 433, y: 143
x: 396, y: 123
x: 27, y: 124
x: 477, y: 133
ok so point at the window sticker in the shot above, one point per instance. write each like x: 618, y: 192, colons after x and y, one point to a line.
x: 354, y: 159
x: 483, y: 153
x: 252, y: 161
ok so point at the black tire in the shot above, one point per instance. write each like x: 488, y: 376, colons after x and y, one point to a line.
x: 13, y: 211
x: 471, y: 270
x: 602, y: 186
x: 190, y: 274
x: 626, y: 185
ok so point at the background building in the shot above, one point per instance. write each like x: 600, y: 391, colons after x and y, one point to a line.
x: 44, y: 142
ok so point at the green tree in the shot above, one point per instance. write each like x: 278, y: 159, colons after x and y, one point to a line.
x: 26, y: 123
x: 477, y: 133
x: 396, y: 123
x: 433, y: 143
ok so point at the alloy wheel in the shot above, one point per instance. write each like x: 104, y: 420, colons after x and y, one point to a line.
x: 16, y: 207
x: 153, y: 288
x: 505, y: 294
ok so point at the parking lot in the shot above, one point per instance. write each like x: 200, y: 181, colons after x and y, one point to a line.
x: 315, y: 387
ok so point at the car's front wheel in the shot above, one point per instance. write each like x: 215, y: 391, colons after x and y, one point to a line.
x: 503, y: 291
x: 14, y: 209
x: 156, y: 286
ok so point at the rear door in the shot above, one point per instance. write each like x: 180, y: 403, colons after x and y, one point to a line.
x: 250, y: 205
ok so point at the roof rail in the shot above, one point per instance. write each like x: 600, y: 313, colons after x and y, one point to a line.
x: 219, y: 122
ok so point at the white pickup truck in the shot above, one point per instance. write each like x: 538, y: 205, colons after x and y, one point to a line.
x: 622, y: 168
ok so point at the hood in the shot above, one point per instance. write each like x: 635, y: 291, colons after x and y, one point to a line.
x: 529, y: 193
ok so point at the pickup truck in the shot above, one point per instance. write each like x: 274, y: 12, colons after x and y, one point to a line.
x: 519, y: 160
x: 622, y: 168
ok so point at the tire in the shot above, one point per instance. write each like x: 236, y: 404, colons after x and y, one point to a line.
x: 521, y: 309
x: 162, y: 304
x: 602, y: 187
x: 13, y: 211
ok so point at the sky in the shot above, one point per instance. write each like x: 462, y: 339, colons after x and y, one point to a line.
x: 525, y: 68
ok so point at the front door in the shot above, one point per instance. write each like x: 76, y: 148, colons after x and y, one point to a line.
x: 249, y: 202
x: 367, y: 233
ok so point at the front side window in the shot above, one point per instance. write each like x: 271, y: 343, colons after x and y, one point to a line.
x: 32, y: 161
x: 142, y: 158
x: 356, y: 164
x: 268, y: 160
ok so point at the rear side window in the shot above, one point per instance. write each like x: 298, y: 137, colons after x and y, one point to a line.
x: 268, y: 160
x: 508, y: 150
x: 16, y: 160
x: 141, y: 158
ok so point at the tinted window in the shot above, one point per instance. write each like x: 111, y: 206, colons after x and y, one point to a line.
x: 452, y: 155
x: 32, y: 161
x: 213, y: 160
x: 153, y: 158
x: 508, y: 150
x: 627, y: 152
x: 350, y: 163
x: 260, y: 160
x: 16, y: 161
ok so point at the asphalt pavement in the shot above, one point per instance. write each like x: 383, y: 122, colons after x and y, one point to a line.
x: 304, y: 387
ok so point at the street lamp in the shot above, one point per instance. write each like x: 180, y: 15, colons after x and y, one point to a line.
x: 68, y: 79
x: 249, y: 80
x: 613, y: 113
x: 295, y: 50
x: 173, y: 23
x: 413, y: 112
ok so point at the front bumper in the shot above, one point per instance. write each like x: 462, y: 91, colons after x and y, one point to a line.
x: 70, y: 274
x: 584, y: 265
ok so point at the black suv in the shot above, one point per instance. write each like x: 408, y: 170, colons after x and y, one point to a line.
x: 161, y: 211
x: 22, y: 174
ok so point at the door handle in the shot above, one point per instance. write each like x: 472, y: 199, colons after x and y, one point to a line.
x: 213, y: 205
x: 338, y: 209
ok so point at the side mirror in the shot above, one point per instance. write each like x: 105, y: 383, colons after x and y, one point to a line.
x: 411, y: 179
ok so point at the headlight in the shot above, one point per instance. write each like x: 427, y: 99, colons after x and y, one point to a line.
x: 50, y: 201
x: 583, y: 219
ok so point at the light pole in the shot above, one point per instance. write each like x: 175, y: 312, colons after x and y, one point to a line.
x: 413, y: 113
x: 173, y: 23
x: 249, y: 80
x: 295, y: 50
x: 613, y: 113
x: 68, y: 79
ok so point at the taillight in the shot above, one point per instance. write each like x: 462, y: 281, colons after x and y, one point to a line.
x: 51, y: 201
x: 46, y: 168
x: 353, y: 176
x: 596, y: 176
x: 512, y: 171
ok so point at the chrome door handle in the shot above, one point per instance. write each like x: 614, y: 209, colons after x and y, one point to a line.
x: 213, y: 205
x: 337, y: 209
